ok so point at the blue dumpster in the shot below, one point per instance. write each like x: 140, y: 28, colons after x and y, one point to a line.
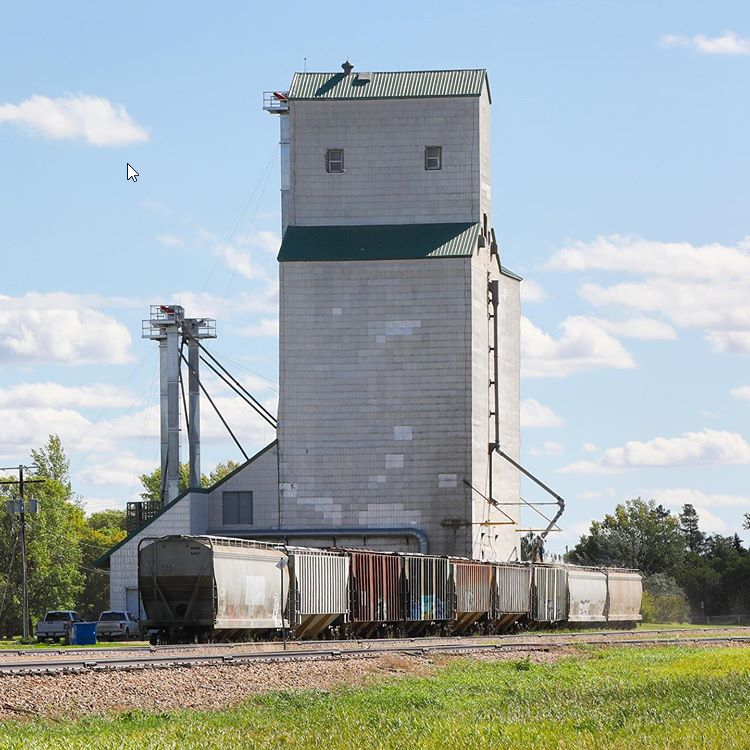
x: 83, y: 634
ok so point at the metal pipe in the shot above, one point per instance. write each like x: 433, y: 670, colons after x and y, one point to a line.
x: 495, y: 301
x: 173, y: 412
x: 560, y: 505
x: 164, y: 424
x: 417, y: 534
x: 194, y: 419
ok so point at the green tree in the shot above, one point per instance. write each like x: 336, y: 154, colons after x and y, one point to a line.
x: 152, y: 482
x: 694, y: 537
x: 639, y: 534
x: 664, y: 600
x: 100, y: 531
x: 222, y: 470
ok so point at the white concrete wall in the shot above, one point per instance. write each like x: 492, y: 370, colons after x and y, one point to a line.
x: 261, y: 477
x: 385, y: 180
x: 374, y: 413
x: 123, y: 564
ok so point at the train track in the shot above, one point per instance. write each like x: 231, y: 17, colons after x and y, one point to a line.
x: 541, y: 634
x: 422, y: 646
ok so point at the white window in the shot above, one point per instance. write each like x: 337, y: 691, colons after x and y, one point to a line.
x: 335, y: 160
x: 433, y: 157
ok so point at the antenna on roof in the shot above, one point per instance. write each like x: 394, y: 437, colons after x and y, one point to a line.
x: 347, y: 67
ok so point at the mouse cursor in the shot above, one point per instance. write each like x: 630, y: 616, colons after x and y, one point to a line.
x: 132, y: 174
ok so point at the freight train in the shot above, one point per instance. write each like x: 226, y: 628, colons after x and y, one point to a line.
x: 207, y: 588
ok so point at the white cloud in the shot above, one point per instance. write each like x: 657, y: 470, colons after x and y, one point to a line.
x: 266, y: 327
x: 727, y: 43
x: 679, y: 496
x: 532, y: 292
x: 55, y: 395
x: 265, y: 300
x: 646, y: 329
x: 268, y: 241
x: 22, y: 429
x: 534, y: 414
x: 110, y: 471
x: 743, y: 392
x: 169, y: 240
x: 635, y: 255
x: 704, y: 287
x: 690, y: 449
x: 609, y: 493
x: 584, y: 345
x: 96, y: 504
x: 90, y: 118
x: 34, y: 329
x: 589, y: 448
x: 241, y: 262
x: 548, y: 448
x: 734, y: 342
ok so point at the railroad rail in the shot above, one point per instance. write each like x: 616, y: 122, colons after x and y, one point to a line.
x: 360, y: 641
x: 425, y: 646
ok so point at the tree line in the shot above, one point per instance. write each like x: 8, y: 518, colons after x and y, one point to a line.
x: 686, y: 571
x: 63, y: 541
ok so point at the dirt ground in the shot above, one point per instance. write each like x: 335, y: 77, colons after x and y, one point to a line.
x: 209, y: 687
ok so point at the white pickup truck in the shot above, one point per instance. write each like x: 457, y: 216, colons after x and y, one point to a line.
x: 56, y: 625
x: 117, y: 624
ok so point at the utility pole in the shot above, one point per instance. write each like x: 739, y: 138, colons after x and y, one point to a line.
x: 20, y: 508
x: 24, y: 563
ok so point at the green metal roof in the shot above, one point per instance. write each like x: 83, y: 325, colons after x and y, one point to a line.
x: 395, y: 85
x: 379, y: 242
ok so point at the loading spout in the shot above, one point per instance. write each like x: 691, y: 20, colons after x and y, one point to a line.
x: 537, y: 545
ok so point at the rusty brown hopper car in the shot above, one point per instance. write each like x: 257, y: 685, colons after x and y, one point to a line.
x: 374, y: 591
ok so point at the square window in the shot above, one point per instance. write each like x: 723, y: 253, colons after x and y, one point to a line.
x: 237, y: 508
x: 433, y: 157
x: 335, y: 160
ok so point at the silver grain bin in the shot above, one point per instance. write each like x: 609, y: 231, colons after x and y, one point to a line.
x: 319, y: 594
x: 587, y: 595
x: 625, y: 591
x: 549, y: 594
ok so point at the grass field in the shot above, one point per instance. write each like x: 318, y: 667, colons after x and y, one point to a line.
x: 600, y: 698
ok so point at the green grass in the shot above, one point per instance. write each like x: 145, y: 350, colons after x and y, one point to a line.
x: 692, y: 698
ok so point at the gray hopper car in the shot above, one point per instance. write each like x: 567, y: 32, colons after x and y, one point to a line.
x: 194, y: 588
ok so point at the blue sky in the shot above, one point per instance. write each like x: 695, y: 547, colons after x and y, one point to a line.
x: 620, y: 164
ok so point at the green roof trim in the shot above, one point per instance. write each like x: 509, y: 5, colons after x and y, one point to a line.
x: 102, y: 561
x: 507, y: 272
x: 391, y: 85
x: 379, y: 242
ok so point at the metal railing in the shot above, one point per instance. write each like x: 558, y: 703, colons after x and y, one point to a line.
x: 275, y: 101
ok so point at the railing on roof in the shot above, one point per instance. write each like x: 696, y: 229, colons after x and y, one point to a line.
x: 275, y: 101
x: 138, y: 514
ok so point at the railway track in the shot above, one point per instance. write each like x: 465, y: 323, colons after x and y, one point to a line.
x: 156, y: 658
x: 541, y: 634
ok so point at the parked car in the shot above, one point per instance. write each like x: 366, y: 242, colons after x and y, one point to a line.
x: 116, y: 624
x: 56, y: 625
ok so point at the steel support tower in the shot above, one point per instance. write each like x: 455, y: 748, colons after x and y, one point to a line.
x: 168, y: 325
